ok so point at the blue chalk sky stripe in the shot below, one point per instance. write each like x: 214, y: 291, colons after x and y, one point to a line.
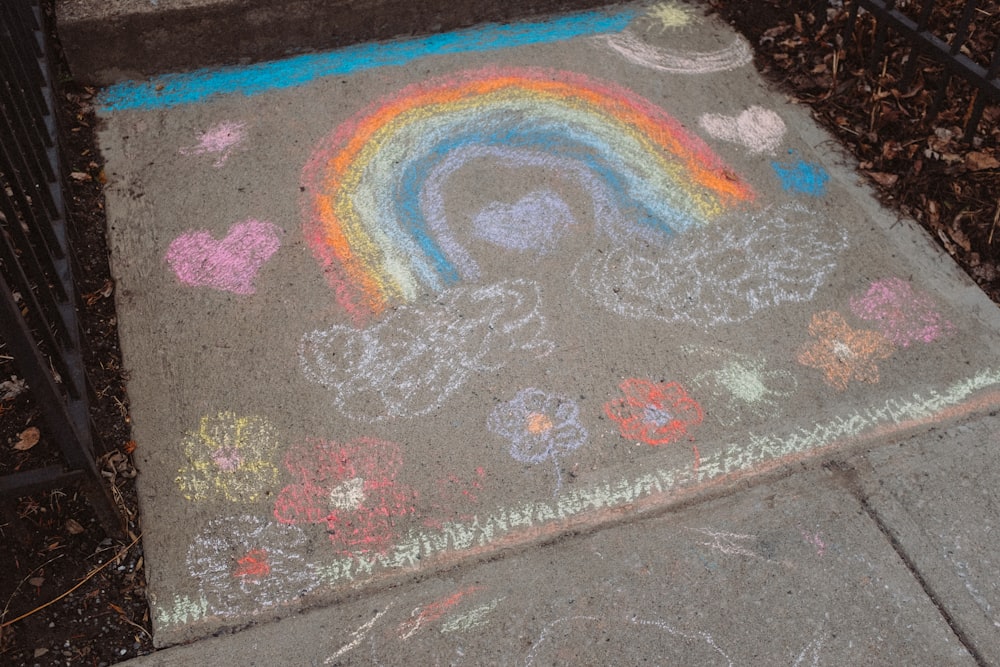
x: 171, y: 90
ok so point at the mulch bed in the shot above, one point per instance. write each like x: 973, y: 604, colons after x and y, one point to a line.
x: 919, y: 163
x: 918, y: 160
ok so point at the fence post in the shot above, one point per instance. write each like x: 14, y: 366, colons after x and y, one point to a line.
x: 43, y: 332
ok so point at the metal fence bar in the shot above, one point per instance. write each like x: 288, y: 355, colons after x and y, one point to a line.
x: 948, y: 54
x: 42, y: 332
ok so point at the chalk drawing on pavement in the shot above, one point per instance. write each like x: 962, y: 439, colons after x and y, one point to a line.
x: 656, y: 413
x: 246, y: 562
x: 220, y: 141
x: 535, y: 223
x: 721, y: 275
x: 349, y: 488
x: 474, y: 618
x: 649, y: 178
x: 758, y: 129
x: 666, y: 16
x: 632, y: 48
x: 229, y: 457
x: 540, y: 427
x: 424, y: 615
x: 419, y: 355
x: 590, y: 639
x: 357, y: 636
x: 229, y: 264
x: 842, y: 352
x: 657, y: 487
x: 902, y: 314
x: 801, y: 177
x: 738, y: 385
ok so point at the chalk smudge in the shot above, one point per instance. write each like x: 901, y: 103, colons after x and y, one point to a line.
x: 431, y: 612
x: 760, y: 130
x: 633, y: 49
x: 721, y: 275
x: 357, y: 636
x: 571, y: 641
x: 420, y: 355
x: 220, y: 140
x: 230, y: 264
x: 802, y: 177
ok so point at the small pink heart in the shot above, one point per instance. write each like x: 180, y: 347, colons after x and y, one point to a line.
x: 230, y: 264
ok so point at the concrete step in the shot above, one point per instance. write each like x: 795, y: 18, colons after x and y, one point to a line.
x: 107, y: 41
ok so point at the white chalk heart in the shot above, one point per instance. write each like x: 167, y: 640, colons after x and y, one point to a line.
x: 535, y: 222
x: 229, y: 264
x: 759, y: 129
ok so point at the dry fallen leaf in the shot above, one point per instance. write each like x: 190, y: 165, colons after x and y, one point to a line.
x: 36, y: 581
x: 80, y: 176
x: 28, y: 439
x: 883, y: 179
x: 73, y: 527
x: 978, y: 160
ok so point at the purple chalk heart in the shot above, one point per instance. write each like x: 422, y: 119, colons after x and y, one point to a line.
x: 535, y: 222
x: 229, y: 264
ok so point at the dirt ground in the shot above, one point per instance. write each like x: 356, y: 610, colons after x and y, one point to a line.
x: 73, y: 596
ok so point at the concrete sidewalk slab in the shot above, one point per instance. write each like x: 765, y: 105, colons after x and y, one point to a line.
x: 936, y: 494
x: 789, y: 574
x: 393, y: 310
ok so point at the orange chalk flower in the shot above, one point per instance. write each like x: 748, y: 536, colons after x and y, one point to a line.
x: 842, y: 352
x: 656, y: 414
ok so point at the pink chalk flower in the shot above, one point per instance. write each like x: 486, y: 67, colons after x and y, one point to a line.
x: 903, y: 315
x: 351, y: 488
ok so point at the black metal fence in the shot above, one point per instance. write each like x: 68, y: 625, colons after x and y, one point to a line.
x: 38, y: 298
x: 946, y: 50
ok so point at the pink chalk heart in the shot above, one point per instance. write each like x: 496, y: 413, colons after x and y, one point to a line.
x: 229, y: 264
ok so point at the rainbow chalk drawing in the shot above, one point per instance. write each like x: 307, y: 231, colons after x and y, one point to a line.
x: 632, y: 48
x: 246, y: 560
x: 628, y: 638
x: 903, y: 315
x: 721, y: 275
x: 350, y: 488
x: 760, y: 130
x: 540, y: 427
x: 647, y: 177
x: 229, y: 457
x: 230, y: 264
x: 220, y: 140
x: 409, y: 363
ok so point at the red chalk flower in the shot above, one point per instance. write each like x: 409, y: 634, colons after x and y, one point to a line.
x: 656, y: 414
x: 351, y: 488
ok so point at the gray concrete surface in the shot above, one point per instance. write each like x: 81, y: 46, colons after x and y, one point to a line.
x: 409, y: 323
